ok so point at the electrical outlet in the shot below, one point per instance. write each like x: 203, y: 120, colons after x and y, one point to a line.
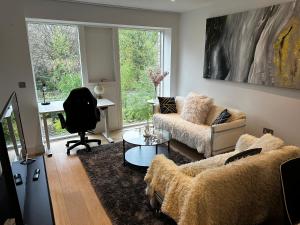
x: 22, y: 84
x: 268, y: 131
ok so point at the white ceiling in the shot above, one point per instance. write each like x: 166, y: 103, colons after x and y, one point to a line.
x: 162, y: 5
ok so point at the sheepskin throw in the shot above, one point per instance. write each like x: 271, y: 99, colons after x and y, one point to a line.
x: 245, y: 192
x: 196, y: 108
x: 267, y: 142
x: 193, y: 135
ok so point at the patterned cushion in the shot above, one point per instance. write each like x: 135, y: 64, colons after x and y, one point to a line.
x: 223, y: 117
x: 243, y: 154
x: 167, y: 105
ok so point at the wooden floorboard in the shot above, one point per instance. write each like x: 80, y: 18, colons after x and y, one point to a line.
x: 73, y: 197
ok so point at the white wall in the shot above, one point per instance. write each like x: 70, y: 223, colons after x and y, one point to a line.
x: 274, y: 108
x: 112, y: 86
x: 98, y: 42
x: 15, y: 66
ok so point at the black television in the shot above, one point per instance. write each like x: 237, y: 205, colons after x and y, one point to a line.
x: 12, y: 150
x: 24, y: 192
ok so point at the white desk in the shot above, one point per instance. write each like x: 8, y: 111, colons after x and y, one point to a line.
x: 57, y: 106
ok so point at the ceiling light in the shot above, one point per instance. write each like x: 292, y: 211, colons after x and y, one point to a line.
x: 172, y: 0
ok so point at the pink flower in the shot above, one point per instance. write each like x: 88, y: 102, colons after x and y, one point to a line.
x: 157, y: 76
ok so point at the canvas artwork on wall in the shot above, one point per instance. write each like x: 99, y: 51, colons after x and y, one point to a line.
x: 259, y: 46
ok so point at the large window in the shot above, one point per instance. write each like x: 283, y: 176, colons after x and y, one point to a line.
x: 59, y: 65
x: 140, y: 51
x: 55, y: 57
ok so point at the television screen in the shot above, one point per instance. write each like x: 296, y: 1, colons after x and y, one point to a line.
x: 12, y: 128
x: 12, y: 149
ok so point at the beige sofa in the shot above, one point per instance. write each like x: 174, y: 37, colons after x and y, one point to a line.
x: 207, y: 139
x: 244, y: 192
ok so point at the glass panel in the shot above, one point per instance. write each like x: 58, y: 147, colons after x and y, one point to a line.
x: 55, y: 56
x: 139, y: 52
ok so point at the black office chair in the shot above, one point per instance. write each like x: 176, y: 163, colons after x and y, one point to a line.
x: 290, y: 181
x: 82, y: 115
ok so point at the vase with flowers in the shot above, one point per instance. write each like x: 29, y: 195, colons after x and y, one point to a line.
x: 157, y: 76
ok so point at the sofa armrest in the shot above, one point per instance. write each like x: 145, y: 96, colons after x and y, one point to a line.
x: 228, y: 126
x: 225, y: 136
x: 160, y: 173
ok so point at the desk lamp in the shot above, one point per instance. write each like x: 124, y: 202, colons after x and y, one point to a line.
x: 44, y: 88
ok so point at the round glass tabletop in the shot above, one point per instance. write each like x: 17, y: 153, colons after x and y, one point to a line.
x: 157, y: 137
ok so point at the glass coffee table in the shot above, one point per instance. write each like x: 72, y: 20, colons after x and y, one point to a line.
x: 145, y: 148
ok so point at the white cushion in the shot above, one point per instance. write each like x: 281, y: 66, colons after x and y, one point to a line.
x: 267, y: 142
x: 179, y: 104
x: 196, y: 108
x: 244, y: 142
x: 235, y: 115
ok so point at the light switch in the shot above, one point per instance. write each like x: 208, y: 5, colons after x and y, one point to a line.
x: 22, y: 84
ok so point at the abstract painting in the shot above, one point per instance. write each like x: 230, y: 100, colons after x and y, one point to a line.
x: 260, y: 46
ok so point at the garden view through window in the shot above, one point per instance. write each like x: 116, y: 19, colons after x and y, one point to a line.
x: 140, y: 51
x: 55, y: 57
x: 56, y: 61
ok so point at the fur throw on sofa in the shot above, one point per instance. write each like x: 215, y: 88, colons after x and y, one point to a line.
x: 245, y: 192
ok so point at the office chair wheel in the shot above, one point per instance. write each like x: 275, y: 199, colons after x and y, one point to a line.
x: 99, y: 142
x: 68, y: 152
x: 67, y: 145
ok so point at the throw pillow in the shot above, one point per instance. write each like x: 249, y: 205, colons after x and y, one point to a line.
x: 268, y: 142
x: 244, y: 142
x: 243, y: 154
x: 167, y: 105
x: 222, y: 118
x: 196, y: 108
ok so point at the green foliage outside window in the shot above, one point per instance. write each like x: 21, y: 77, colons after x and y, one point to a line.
x: 55, y: 58
x: 56, y: 62
x: 139, y: 52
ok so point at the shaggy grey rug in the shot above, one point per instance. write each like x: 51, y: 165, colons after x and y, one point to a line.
x: 121, y: 189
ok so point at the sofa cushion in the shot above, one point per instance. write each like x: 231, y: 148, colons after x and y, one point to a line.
x: 193, y: 135
x: 235, y: 115
x: 267, y: 142
x: 196, y: 108
x: 222, y: 118
x: 214, y: 112
x: 244, y: 154
x: 179, y: 103
x: 167, y: 105
x: 165, y: 121
x: 244, y: 142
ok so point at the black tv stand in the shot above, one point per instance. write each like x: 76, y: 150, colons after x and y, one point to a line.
x: 33, y: 194
x: 27, y: 160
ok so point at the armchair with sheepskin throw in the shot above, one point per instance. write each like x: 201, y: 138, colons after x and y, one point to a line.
x: 244, y: 192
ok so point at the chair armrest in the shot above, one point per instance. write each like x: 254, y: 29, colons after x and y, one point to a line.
x: 62, y: 120
x: 225, y: 136
x: 228, y: 126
